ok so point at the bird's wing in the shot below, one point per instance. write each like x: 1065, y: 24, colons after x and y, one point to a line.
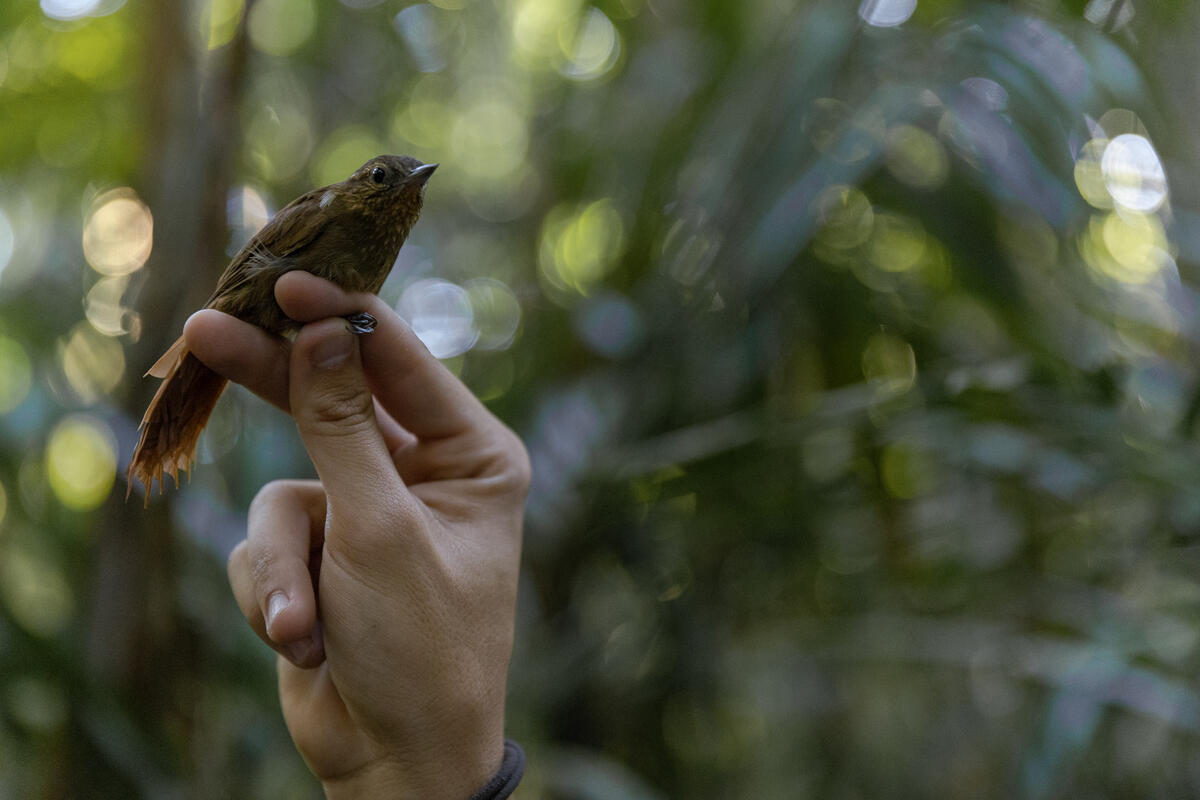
x: 293, y: 228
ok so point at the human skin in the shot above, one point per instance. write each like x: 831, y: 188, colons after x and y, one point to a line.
x: 392, y: 660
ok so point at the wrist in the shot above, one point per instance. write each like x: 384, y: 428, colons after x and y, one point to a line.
x: 376, y: 780
x: 454, y: 777
x: 504, y: 781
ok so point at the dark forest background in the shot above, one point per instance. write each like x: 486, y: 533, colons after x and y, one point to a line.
x: 855, y: 347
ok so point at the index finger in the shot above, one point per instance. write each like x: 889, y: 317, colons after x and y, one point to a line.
x: 242, y: 352
x: 419, y: 392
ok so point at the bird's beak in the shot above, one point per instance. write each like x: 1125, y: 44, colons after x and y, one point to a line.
x: 421, y: 174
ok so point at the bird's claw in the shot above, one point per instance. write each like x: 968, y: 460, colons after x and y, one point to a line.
x: 362, y: 322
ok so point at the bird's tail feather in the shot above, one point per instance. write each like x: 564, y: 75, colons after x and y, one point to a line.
x: 176, y: 416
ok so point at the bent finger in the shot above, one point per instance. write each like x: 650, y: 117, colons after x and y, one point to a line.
x: 272, y: 571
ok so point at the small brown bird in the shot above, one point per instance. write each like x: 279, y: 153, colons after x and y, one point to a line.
x: 349, y: 233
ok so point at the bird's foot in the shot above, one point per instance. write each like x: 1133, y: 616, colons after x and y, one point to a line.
x: 362, y: 322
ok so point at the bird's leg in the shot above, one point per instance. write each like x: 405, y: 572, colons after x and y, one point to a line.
x: 362, y: 322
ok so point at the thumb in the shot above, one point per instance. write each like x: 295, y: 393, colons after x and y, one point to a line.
x: 335, y: 414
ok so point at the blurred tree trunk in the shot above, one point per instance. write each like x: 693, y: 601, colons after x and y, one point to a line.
x: 137, y: 645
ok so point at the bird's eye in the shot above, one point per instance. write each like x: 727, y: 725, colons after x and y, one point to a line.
x: 378, y: 174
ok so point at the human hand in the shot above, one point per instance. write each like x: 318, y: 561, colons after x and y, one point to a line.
x: 388, y: 587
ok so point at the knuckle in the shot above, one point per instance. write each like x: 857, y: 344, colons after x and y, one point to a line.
x: 512, y: 463
x: 262, y: 568
x: 339, y: 409
x: 496, y: 458
x: 381, y: 536
x: 520, y: 468
x: 237, y: 559
x: 269, y: 494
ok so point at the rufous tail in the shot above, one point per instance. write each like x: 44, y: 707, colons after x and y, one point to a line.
x: 172, y: 424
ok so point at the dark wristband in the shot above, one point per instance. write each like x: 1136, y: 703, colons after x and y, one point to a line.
x: 505, y: 781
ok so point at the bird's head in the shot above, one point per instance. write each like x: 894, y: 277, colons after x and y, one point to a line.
x: 389, y: 186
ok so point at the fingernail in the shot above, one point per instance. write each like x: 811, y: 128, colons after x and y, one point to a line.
x: 276, y: 603
x: 333, y: 350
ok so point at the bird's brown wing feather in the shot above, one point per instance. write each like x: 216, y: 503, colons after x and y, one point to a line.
x: 294, y: 227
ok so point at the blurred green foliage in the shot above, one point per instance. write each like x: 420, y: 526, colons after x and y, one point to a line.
x: 854, y: 347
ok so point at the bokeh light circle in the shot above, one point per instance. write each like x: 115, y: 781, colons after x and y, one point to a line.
x: 118, y: 234
x: 344, y: 151
x: 81, y: 461
x: 579, y: 249
x: 889, y: 364
x: 279, y: 27
x: 593, y: 49
x: 497, y: 312
x: 886, y: 13
x: 93, y: 362
x: 8, y: 241
x: 441, y: 315
x: 68, y: 9
x: 103, y: 308
x: 610, y: 325
x: 916, y: 157
x: 1089, y: 178
x: 489, y: 139
x: 418, y: 26
x: 35, y: 591
x: 1133, y: 173
x: 845, y: 215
